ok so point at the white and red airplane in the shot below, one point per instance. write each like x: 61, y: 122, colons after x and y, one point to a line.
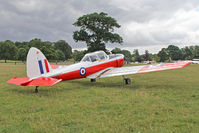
x: 93, y: 65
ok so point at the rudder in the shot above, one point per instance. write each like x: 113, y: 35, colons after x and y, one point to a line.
x: 37, y: 64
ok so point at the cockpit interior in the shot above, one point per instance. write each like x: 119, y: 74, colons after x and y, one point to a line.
x: 96, y: 56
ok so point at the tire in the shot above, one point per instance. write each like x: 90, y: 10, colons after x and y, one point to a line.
x: 127, y: 81
x: 93, y: 80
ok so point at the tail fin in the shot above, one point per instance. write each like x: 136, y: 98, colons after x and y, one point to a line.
x: 37, y: 64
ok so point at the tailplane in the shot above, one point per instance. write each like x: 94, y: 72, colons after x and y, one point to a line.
x: 41, y: 81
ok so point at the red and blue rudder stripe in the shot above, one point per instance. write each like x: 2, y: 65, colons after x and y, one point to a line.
x: 41, y: 66
x: 46, y: 65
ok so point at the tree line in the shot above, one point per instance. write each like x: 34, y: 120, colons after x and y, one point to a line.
x: 59, y: 50
x: 171, y: 53
x: 62, y: 51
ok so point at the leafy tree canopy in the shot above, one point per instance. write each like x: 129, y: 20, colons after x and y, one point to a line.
x: 174, y: 52
x: 8, y: 50
x: 60, y: 55
x: 22, y: 53
x: 137, y: 56
x: 187, y: 53
x: 64, y: 47
x: 59, y: 50
x: 78, y: 55
x: 163, y: 55
x: 96, y: 29
x: 147, y: 56
x: 126, y: 53
x: 50, y: 53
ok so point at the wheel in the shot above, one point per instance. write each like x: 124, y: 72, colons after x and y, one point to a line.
x: 36, y: 89
x: 93, y: 80
x: 127, y: 81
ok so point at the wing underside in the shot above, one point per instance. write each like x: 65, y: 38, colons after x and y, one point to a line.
x: 110, y: 72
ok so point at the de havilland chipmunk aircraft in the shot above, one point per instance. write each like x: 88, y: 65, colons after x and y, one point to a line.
x: 93, y: 66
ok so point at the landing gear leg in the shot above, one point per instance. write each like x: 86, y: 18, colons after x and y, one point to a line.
x: 126, y: 80
x: 36, y: 89
x: 93, y: 80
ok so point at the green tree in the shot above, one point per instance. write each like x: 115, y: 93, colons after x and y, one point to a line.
x: 187, y: 53
x: 35, y: 43
x: 163, y: 55
x: 8, y: 50
x: 155, y: 58
x: 22, y: 53
x: 196, y: 52
x: 60, y: 55
x: 126, y: 53
x: 64, y: 47
x: 116, y: 51
x: 78, y: 55
x: 96, y: 29
x: 137, y: 56
x: 147, y: 56
x: 50, y: 53
x: 174, y: 52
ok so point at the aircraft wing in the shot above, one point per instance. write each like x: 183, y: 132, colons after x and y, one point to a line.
x: 110, y: 72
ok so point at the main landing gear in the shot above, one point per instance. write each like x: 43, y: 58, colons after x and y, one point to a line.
x: 126, y: 80
x: 93, y: 80
x: 36, y: 89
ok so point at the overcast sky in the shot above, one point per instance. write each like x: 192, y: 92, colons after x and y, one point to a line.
x: 145, y: 24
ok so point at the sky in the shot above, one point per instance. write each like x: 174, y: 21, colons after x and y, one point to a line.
x: 145, y: 24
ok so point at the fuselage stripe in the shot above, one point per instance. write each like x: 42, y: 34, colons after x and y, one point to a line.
x: 41, y: 67
x: 76, y: 73
x: 46, y: 65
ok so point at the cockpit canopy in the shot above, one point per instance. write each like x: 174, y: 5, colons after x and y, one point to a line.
x: 96, y: 56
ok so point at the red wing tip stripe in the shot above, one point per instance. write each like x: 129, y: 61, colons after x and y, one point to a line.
x: 163, y: 67
x: 143, y: 71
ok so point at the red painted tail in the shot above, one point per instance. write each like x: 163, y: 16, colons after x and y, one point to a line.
x: 41, y: 81
x: 37, y: 68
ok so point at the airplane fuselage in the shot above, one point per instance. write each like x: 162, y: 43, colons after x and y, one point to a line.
x: 84, y: 69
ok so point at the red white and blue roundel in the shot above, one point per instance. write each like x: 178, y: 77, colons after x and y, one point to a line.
x: 82, y: 71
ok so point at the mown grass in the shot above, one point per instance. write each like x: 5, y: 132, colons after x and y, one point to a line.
x: 166, y: 101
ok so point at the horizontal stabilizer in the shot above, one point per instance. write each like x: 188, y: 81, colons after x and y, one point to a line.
x: 41, y: 81
x: 19, y: 81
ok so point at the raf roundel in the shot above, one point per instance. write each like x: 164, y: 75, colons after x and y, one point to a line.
x: 82, y: 71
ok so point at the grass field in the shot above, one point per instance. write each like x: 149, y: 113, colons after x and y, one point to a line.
x: 166, y: 101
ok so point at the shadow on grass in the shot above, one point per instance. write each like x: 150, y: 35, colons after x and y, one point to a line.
x: 117, y: 85
x: 43, y: 91
x: 66, y: 86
